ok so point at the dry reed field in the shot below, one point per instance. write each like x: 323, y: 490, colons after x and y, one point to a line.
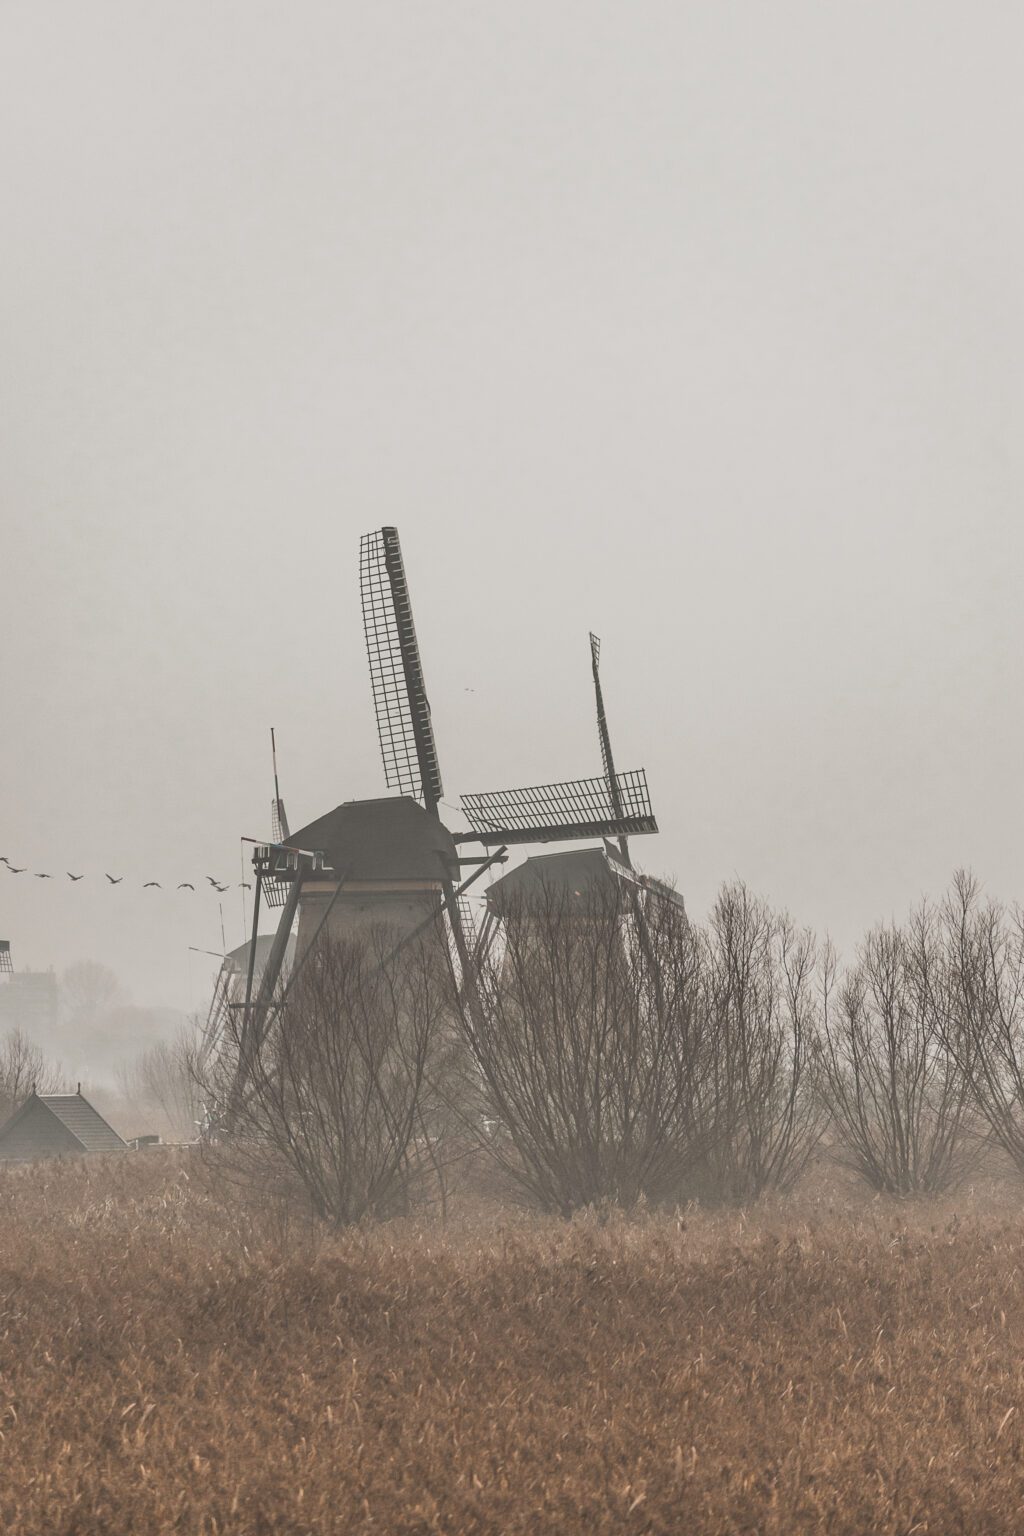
x: 826, y: 1363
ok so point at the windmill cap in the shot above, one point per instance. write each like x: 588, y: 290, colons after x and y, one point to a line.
x: 578, y: 871
x: 389, y: 839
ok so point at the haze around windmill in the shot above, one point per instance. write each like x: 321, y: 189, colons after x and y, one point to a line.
x: 716, y: 362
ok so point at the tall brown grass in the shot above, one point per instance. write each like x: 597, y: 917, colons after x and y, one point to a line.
x: 171, y: 1361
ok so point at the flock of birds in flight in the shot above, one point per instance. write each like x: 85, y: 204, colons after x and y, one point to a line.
x: 183, y: 885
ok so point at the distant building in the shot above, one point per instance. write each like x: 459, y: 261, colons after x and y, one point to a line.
x: 28, y: 1001
x: 56, y: 1125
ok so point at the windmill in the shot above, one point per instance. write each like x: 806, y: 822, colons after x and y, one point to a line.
x: 229, y: 989
x: 393, y: 860
x: 581, y: 872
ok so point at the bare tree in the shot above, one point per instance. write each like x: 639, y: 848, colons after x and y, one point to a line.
x: 759, y: 996
x: 899, y: 1098
x: 977, y: 994
x: 335, y: 1098
x: 89, y: 991
x: 160, y: 1082
x: 586, y: 1036
x: 23, y: 1069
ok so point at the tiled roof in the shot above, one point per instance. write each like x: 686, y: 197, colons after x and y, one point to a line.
x: 84, y: 1122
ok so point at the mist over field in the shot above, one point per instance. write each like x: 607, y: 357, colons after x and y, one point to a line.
x: 588, y: 1046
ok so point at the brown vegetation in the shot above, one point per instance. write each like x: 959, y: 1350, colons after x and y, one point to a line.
x: 174, y: 1362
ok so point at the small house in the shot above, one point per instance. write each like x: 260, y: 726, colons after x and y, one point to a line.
x: 56, y: 1125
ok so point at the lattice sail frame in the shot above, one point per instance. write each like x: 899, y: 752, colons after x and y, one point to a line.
x: 551, y: 813
x: 278, y: 814
x: 278, y: 821
x: 396, y: 673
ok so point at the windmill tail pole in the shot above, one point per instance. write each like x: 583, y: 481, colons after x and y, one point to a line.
x: 258, y: 1023
x: 250, y: 1035
x: 252, y: 947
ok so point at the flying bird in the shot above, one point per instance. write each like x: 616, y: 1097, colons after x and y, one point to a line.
x: 73, y: 877
x: 112, y: 880
x: 44, y: 877
x: 211, y: 880
x: 244, y: 885
x: 185, y: 886
x: 15, y: 871
x: 152, y: 882
x: 221, y: 888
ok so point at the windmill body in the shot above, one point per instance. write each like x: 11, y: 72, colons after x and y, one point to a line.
x: 576, y: 884
x: 573, y: 884
x: 385, y: 865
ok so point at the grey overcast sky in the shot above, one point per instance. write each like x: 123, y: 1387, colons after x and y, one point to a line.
x: 697, y: 324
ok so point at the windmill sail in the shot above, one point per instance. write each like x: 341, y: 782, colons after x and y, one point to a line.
x: 552, y: 813
x: 275, y: 893
x: 278, y: 816
x: 614, y: 792
x: 396, y: 672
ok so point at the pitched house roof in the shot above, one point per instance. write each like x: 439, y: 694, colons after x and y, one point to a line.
x: 75, y: 1117
x: 78, y: 1116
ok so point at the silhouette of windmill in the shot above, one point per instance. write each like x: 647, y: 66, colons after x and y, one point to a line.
x: 392, y: 860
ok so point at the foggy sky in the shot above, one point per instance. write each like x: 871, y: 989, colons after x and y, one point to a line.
x: 698, y: 325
